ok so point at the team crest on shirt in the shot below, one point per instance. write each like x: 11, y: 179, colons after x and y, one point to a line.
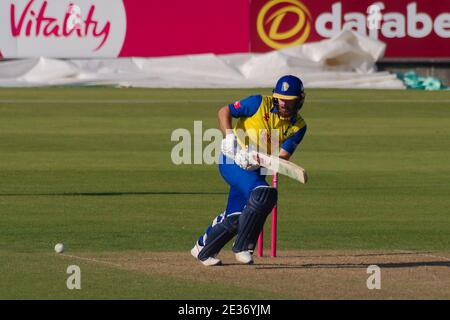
x: 288, y: 132
x: 285, y: 86
x: 237, y: 104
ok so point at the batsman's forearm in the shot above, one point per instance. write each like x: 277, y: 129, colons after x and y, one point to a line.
x: 284, y: 154
x: 225, y: 119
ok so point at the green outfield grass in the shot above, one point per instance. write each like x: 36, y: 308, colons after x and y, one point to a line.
x: 91, y: 167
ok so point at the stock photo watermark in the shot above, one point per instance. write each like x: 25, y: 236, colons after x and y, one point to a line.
x: 374, y: 16
x: 374, y: 280
x: 73, y: 21
x: 205, y: 146
x: 74, y: 280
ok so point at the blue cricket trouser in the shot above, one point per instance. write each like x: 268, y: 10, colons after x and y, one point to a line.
x: 242, y: 182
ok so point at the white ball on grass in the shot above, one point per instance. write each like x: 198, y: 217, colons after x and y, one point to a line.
x: 59, y: 248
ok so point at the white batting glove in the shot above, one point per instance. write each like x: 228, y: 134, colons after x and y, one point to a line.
x: 229, y: 145
x: 243, y: 160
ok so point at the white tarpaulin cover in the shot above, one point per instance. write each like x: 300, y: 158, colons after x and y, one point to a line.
x: 345, y: 61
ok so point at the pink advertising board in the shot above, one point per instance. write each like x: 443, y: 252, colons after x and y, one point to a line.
x: 410, y: 28
x: 149, y: 28
x: 159, y: 28
x: 112, y: 28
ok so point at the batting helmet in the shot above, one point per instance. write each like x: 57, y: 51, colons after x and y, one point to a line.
x: 290, y: 88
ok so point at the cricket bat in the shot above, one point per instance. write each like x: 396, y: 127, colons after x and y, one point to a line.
x: 279, y: 165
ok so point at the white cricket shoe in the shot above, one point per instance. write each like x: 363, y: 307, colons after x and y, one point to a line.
x: 244, y: 257
x: 211, y: 261
x: 196, y: 250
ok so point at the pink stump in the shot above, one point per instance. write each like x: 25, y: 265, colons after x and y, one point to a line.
x: 273, y: 244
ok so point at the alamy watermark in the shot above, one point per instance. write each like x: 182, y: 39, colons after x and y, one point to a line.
x: 374, y: 16
x: 74, y: 280
x: 73, y: 21
x: 374, y: 280
x: 204, y: 146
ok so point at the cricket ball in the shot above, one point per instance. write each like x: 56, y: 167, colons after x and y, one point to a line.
x: 59, y: 248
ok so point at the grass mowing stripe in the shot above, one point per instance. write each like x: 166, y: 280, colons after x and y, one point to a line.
x: 189, y: 101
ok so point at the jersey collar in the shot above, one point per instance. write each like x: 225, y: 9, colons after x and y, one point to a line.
x: 292, y: 119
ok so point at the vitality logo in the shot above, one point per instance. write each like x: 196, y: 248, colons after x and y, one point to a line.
x: 82, y: 28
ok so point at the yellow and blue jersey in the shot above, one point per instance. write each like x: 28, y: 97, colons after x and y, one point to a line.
x: 256, y: 113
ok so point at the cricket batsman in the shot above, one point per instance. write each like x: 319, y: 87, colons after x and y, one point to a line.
x: 251, y: 199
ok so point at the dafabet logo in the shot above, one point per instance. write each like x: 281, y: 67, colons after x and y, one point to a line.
x: 275, y: 31
x: 283, y: 23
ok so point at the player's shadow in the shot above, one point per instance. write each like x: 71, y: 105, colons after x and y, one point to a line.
x: 360, y: 255
x: 388, y: 265
x: 111, y: 194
